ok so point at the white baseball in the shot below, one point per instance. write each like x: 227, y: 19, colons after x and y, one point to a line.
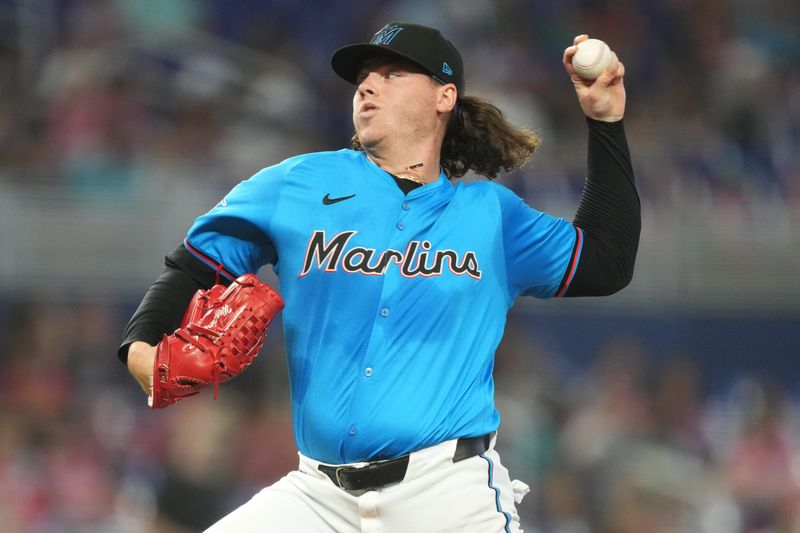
x: 592, y: 58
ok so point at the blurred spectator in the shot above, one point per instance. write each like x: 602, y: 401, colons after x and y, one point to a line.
x: 762, y: 468
x: 677, y: 408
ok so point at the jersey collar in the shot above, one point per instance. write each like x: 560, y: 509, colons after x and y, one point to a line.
x: 387, y: 179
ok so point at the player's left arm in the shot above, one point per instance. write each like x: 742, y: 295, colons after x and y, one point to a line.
x: 608, y: 219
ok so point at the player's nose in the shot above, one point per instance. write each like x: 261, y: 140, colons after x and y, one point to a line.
x: 367, y: 85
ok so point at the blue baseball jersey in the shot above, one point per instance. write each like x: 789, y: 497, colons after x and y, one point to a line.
x: 395, y: 303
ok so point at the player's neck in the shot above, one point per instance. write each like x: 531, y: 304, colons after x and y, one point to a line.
x: 418, y: 164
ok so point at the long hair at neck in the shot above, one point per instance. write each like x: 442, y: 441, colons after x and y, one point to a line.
x: 481, y: 139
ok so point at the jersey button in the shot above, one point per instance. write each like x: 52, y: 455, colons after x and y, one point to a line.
x: 368, y: 372
x: 405, y: 206
x: 352, y: 430
x: 384, y: 312
x: 401, y: 225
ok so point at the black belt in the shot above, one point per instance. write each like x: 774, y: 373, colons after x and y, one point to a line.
x: 379, y: 474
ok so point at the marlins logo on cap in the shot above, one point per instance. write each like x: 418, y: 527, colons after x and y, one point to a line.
x: 386, y: 34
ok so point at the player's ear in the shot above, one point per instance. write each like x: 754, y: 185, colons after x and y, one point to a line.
x: 446, y: 98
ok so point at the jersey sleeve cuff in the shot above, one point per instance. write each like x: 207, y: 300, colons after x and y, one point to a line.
x: 572, y: 266
x: 216, y: 265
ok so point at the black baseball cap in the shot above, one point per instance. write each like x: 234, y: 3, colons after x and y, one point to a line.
x: 420, y: 45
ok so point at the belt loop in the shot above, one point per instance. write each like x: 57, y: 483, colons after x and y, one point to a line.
x: 339, y: 479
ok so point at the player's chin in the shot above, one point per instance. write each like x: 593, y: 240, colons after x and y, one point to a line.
x: 368, y: 136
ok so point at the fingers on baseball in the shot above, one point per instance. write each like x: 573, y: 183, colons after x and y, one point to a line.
x: 620, y: 73
x: 579, y: 38
x: 613, y: 73
x: 567, y: 58
x: 570, y: 51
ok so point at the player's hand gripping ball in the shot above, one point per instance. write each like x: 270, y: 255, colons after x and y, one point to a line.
x: 220, y: 336
x: 592, y: 58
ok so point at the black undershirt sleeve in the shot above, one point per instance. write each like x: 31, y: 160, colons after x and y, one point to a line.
x: 609, y: 214
x: 164, y: 304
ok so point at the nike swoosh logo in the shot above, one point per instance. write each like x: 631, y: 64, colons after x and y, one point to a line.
x: 327, y: 200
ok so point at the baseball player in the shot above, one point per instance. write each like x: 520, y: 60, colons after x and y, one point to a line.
x: 397, y: 279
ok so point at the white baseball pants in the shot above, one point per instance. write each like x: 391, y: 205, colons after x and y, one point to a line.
x: 475, y: 495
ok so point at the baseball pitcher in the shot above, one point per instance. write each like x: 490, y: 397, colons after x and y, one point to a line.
x: 396, y: 279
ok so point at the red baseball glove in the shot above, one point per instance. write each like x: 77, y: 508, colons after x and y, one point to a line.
x: 221, y: 334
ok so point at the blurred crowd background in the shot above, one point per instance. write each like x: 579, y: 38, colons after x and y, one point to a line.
x: 671, y: 407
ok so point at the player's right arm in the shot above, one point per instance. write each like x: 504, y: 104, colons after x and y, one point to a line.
x: 598, y: 258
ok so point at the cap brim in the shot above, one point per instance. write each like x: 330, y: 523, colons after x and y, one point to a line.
x: 347, y: 61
